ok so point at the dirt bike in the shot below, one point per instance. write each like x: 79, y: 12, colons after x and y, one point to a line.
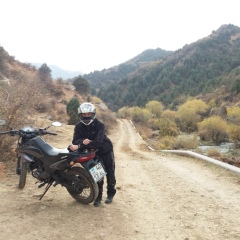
x: 77, y: 171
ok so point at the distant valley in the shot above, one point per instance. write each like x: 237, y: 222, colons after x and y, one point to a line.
x: 58, y: 72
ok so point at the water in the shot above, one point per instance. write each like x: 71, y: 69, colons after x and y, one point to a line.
x: 222, y: 148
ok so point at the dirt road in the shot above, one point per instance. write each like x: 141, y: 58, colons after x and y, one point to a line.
x: 159, y: 197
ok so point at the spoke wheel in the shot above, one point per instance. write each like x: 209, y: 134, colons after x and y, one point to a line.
x: 83, y: 188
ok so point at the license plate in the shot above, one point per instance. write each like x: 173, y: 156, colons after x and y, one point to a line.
x: 97, y: 172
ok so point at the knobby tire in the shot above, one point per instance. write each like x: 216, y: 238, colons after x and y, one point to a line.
x: 23, y: 174
x: 86, y: 194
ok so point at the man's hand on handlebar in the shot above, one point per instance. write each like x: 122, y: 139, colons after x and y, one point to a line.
x: 73, y: 147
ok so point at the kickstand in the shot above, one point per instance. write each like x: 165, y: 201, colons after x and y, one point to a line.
x: 47, y: 188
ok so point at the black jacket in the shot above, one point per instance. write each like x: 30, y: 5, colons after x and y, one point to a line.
x: 95, y: 132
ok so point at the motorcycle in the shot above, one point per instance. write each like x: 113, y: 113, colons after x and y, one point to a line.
x: 77, y: 171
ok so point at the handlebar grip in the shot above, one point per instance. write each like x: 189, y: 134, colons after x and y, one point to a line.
x: 9, y: 132
x: 2, y: 133
x: 51, y: 133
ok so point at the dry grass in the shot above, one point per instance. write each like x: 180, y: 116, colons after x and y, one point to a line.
x: 214, y: 153
x: 2, y: 170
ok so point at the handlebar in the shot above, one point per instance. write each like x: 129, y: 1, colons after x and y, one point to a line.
x: 22, y: 133
x: 11, y: 132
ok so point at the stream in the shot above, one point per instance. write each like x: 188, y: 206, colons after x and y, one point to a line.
x: 222, y: 148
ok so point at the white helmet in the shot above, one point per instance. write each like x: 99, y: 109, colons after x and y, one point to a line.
x: 87, y: 108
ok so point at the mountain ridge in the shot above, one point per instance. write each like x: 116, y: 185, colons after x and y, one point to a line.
x: 198, y: 68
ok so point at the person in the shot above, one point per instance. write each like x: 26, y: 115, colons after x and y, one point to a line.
x: 89, y: 133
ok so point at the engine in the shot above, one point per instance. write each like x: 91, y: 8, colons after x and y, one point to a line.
x: 38, y: 170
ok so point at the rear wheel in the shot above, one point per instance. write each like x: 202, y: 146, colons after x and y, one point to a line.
x: 83, y: 189
x: 22, y: 168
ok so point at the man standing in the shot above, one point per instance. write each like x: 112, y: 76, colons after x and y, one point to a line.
x: 89, y: 133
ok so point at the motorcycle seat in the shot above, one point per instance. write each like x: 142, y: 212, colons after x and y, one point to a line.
x: 47, y: 149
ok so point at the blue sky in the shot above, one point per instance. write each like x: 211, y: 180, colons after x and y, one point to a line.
x: 92, y: 35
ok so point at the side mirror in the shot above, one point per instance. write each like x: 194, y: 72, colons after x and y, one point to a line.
x: 56, y: 124
x: 3, y: 122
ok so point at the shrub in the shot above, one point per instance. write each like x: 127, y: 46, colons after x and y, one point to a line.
x: 215, y: 128
x: 108, y: 118
x: 234, y: 134
x: 155, y: 108
x: 139, y: 115
x: 204, y: 135
x: 167, y: 127
x: 123, y: 112
x: 153, y: 123
x: 42, y: 106
x: 95, y: 100
x: 82, y: 86
x: 166, y: 143
x: 213, y: 153
x: 233, y: 114
x: 186, y: 142
x: 72, y: 111
x: 190, y: 113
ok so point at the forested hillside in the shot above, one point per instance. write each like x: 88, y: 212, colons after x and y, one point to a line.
x: 197, y: 68
x: 102, y: 79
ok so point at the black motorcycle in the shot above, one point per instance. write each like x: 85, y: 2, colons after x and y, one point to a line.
x: 77, y: 171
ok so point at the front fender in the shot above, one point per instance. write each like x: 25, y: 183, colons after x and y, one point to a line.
x: 26, y: 157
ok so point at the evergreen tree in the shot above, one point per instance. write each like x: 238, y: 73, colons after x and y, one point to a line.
x: 45, y: 71
x: 72, y: 111
x: 81, y: 85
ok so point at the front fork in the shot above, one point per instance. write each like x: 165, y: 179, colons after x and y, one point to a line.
x: 18, y: 168
x: 20, y: 158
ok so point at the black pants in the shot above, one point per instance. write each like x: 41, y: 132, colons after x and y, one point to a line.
x: 109, y: 164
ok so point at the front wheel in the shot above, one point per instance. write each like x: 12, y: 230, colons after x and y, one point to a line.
x: 83, y: 188
x: 22, y: 168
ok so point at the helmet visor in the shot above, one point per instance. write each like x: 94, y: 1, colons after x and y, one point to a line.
x: 87, y: 118
x: 86, y: 115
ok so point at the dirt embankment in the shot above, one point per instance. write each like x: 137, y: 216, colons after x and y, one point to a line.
x: 159, y: 196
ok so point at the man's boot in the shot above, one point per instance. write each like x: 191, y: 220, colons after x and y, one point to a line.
x: 111, y: 191
x: 98, y: 200
x: 109, y: 199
